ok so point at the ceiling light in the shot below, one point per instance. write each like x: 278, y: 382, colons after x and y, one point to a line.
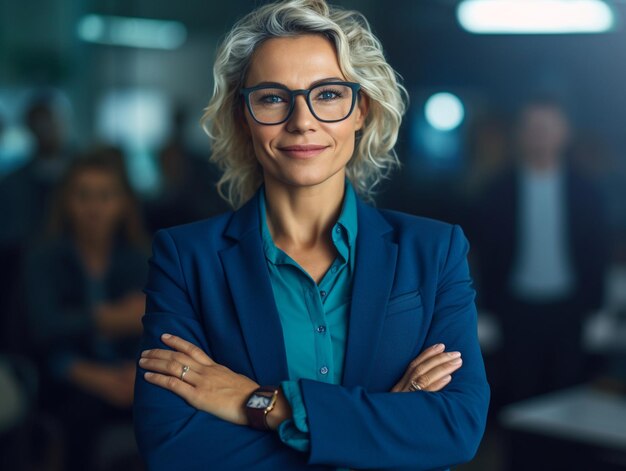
x: 535, y: 16
x: 132, y: 32
x: 444, y: 111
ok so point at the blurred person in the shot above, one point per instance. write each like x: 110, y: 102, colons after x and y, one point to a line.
x: 594, y: 158
x: 488, y: 152
x: 25, y: 194
x: 541, y: 236
x: 251, y: 314
x: 82, y: 289
x: 188, y: 190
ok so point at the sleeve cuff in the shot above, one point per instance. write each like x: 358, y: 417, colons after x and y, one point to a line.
x: 295, y: 431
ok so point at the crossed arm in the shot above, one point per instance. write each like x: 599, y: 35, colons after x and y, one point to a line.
x: 202, y: 419
x: 214, y: 388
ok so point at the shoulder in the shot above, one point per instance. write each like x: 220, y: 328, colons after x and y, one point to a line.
x: 412, y: 224
x: 420, y: 228
x: 425, y: 235
x: 208, y: 232
x: 50, y: 256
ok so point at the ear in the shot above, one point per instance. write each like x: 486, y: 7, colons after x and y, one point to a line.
x: 362, y: 108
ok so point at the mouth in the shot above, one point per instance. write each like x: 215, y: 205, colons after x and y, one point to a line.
x: 303, y: 151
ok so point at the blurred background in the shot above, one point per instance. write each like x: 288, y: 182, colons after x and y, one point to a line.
x: 515, y: 131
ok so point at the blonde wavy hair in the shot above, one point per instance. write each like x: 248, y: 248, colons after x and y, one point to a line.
x: 361, y: 59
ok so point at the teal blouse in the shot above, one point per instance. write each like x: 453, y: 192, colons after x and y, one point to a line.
x: 314, y: 317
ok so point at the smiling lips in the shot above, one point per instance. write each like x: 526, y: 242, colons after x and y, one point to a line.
x: 303, y: 151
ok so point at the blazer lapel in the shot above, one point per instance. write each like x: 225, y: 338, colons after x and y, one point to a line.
x: 251, y: 289
x: 375, y: 268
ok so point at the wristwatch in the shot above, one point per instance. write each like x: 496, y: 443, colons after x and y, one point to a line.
x: 259, y: 404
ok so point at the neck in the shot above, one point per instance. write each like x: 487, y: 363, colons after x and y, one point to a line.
x: 303, y: 216
x: 93, y: 244
x: 542, y: 162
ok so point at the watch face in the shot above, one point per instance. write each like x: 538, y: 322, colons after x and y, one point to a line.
x: 258, y: 402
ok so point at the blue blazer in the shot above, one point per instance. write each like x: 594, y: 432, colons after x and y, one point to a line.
x: 209, y: 284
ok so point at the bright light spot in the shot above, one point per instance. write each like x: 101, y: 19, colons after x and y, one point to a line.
x: 444, y: 111
x: 132, y: 32
x: 138, y: 121
x: 16, y: 145
x: 91, y: 28
x: 535, y: 16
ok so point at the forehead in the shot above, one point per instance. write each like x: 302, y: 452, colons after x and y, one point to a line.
x: 294, y: 61
x: 543, y: 112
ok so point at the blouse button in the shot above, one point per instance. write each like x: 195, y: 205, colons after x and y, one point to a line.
x: 323, y: 370
x: 321, y: 329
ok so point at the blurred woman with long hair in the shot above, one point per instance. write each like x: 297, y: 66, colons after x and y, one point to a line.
x: 83, y: 298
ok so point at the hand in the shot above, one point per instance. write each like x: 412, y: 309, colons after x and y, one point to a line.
x: 431, y: 370
x: 113, y: 384
x: 207, y: 385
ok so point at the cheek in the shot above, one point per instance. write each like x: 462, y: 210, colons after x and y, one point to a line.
x: 262, y: 139
x: 345, y: 141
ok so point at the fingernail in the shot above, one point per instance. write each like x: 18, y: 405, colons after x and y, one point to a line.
x: 439, y: 346
x: 142, y: 361
x: 148, y: 375
x: 166, y: 336
x: 144, y: 353
x: 458, y: 361
x: 454, y: 354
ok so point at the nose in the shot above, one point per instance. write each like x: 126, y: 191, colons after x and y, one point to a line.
x: 301, y: 118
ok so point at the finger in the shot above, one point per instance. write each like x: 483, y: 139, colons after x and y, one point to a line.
x: 435, y: 374
x: 433, y: 362
x: 439, y: 385
x: 171, y: 368
x: 189, y: 348
x: 183, y: 389
x: 424, y: 368
x: 431, y: 351
x: 428, y: 353
x: 162, y: 354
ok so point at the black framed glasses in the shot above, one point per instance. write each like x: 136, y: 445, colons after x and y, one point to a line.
x: 329, y: 102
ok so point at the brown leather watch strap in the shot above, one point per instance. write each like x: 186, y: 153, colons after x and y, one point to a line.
x: 257, y: 417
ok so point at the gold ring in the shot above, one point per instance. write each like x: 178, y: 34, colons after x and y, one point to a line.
x: 414, y: 386
x: 185, y: 369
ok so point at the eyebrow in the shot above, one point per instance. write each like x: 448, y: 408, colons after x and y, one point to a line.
x: 312, y: 84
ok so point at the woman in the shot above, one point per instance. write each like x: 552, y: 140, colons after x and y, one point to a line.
x: 84, y: 300
x: 287, y: 334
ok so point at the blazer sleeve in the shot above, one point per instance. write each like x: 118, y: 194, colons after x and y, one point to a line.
x: 350, y: 426
x: 171, y: 434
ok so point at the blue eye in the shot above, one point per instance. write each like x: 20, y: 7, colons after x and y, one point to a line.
x: 328, y: 94
x: 271, y: 99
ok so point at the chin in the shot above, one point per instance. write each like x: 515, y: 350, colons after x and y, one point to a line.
x: 307, y: 177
